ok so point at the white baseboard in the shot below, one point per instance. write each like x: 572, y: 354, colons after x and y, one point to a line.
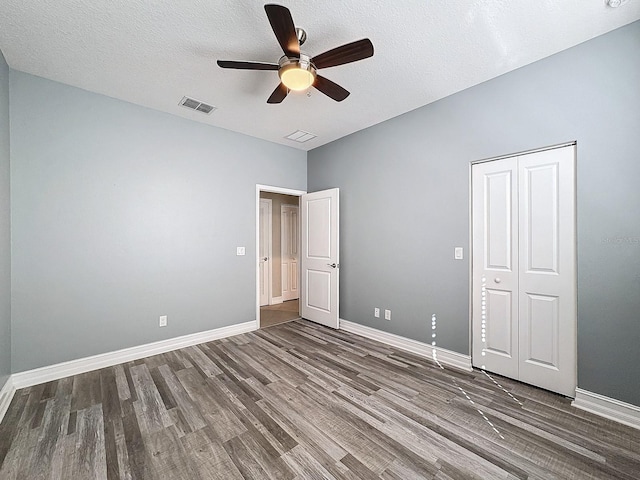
x: 6, y: 395
x: 276, y: 300
x: 446, y: 357
x: 607, y: 407
x: 82, y: 365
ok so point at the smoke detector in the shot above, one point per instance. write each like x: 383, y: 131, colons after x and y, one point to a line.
x: 616, y: 3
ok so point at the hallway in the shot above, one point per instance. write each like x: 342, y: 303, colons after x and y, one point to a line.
x: 280, y: 313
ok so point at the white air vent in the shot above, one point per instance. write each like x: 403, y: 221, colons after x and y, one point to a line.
x: 196, y: 105
x: 300, y: 136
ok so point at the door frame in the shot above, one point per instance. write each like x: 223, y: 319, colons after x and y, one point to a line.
x: 270, y: 189
x: 575, y: 219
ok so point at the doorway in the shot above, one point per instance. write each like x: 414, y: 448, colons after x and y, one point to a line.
x: 524, y: 312
x: 278, y: 244
x: 319, y: 247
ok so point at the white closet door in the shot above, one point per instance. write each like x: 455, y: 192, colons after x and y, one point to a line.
x: 524, y: 268
x: 495, y: 266
x: 548, y: 270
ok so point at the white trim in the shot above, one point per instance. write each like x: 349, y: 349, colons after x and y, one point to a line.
x: 470, y: 260
x: 525, y: 152
x: 82, y: 365
x: 282, y: 190
x: 6, y: 395
x: 607, y: 407
x: 446, y: 357
x: 276, y: 300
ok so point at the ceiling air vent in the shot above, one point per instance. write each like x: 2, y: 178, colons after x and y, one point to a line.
x: 300, y: 136
x: 196, y: 105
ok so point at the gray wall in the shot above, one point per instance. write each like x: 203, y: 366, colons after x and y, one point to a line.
x: 121, y: 214
x: 397, y: 250
x: 5, y: 228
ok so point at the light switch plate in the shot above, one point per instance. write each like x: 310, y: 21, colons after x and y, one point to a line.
x: 458, y: 253
x: 239, y: 250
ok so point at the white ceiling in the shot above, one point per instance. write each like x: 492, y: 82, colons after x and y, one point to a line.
x: 154, y: 52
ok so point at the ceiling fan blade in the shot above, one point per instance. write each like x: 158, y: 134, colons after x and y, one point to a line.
x: 284, y: 28
x: 247, y: 65
x: 278, y: 94
x: 330, y: 89
x: 350, y: 52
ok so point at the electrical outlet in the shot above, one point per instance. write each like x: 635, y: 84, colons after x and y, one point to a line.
x: 162, y: 322
x: 376, y: 312
x: 387, y: 314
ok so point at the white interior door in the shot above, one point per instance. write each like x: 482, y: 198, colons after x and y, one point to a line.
x: 320, y: 257
x: 547, y: 309
x: 264, y: 249
x: 495, y: 266
x: 524, y: 271
x: 290, y: 251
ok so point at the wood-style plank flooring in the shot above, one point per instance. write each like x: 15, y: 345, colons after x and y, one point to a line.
x: 274, y: 314
x: 299, y: 401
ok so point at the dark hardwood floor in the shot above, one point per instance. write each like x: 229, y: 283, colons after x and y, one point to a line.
x: 300, y: 401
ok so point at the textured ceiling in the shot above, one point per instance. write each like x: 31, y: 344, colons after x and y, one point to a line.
x: 154, y: 52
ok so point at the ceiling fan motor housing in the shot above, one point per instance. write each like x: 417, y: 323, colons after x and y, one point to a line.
x: 301, y: 34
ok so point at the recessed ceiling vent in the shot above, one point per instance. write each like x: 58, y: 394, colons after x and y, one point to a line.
x: 300, y: 136
x: 196, y: 105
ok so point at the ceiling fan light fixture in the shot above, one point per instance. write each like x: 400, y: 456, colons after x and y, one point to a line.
x: 297, y: 74
x: 297, y: 79
x: 297, y: 71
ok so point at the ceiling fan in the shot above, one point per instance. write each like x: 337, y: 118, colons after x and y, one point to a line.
x: 297, y: 70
